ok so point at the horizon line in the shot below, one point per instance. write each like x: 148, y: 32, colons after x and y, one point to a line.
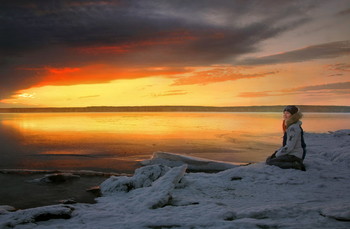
x: 106, y: 106
x: 169, y: 108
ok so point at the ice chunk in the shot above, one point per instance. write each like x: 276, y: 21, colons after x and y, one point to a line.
x: 143, y: 177
x: 193, y: 163
x: 341, y: 213
x: 151, y: 186
x: 338, y: 133
x: 37, y: 214
x: 159, y: 194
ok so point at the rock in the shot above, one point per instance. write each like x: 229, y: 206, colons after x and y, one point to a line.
x: 56, y: 178
x: 68, y: 201
x: 96, y: 190
x: 236, y: 178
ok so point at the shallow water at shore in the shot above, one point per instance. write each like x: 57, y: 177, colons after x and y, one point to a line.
x: 19, y: 191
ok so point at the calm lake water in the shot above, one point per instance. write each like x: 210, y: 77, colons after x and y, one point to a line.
x: 116, y: 142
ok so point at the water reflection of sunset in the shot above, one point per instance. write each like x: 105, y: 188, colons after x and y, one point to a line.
x: 116, y: 141
x: 139, y: 125
x: 96, y: 121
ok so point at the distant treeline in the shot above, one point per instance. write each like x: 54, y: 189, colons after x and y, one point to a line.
x: 304, y: 108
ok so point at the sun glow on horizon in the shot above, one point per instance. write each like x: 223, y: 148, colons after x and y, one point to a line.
x: 216, y: 85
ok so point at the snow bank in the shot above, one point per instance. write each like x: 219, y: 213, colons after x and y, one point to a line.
x: 253, y: 196
x: 37, y: 214
x: 340, y: 212
x: 153, y: 194
x: 143, y: 178
x: 193, y: 163
x: 6, y: 208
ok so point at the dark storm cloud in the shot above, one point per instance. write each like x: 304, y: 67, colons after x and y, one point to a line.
x: 44, y: 33
x: 35, y: 24
x: 13, y: 79
x: 322, y: 51
x: 344, y: 12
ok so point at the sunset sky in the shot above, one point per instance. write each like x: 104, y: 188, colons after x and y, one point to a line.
x: 67, y: 53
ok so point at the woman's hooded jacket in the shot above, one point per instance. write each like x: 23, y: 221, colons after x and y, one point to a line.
x: 292, y: 144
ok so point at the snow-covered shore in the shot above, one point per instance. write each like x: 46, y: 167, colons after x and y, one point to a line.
x: 252, y: 196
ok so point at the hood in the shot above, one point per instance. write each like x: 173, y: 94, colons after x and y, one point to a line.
x: 294, y: 119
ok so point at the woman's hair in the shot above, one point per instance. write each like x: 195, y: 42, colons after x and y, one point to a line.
x: 291, y: 109
x: 296, y: 116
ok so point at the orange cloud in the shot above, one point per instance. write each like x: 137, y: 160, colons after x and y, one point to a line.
x: 100, y: 73
x: 105, y: 49
x: 62, y: 70
x: 218, y: 75
x: 255, y: 94
x: 171, y: 93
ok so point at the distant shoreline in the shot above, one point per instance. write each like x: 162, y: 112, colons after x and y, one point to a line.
x: 279, y: 108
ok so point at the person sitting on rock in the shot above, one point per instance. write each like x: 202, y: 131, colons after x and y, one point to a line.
x: 292, y: 153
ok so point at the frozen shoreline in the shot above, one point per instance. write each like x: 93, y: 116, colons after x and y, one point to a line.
x: 253, y: 196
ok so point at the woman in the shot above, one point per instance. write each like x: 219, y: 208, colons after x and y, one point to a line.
x: 292, y: 153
